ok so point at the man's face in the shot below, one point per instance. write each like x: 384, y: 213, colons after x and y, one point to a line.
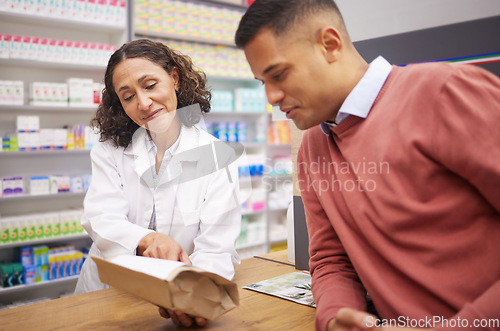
x: 296, y: 76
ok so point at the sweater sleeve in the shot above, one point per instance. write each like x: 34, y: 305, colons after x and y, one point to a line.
x: 482, y: 314
x: 335, y: 283
x: 467, y: 142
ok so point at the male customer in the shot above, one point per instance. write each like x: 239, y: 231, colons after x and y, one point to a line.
x: 399, y: 172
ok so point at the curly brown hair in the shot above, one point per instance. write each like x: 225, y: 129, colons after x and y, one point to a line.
x: 112, y: 121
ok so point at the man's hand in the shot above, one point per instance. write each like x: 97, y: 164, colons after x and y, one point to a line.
x: 161, y: 246
x: 350, y: 319
x: 179, y: 318
x: 354, y: 320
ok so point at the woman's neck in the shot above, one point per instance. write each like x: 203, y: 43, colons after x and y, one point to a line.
x: 164, y: 140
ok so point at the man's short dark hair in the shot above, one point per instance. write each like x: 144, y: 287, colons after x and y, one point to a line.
x: 278, y: 15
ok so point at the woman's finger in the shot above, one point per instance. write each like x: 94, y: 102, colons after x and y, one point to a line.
x: 184, y: 257
x: 163, y: 312
x: 173, y: 316
x: 200, y: 321
x: 184, y: 319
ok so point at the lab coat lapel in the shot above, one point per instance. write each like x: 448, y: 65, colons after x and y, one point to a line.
x: 184, y: 158
x: 138, y: 151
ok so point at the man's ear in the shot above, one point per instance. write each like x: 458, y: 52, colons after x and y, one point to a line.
x: 331, y: 43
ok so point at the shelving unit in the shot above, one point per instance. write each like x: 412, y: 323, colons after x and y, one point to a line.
x: 163, y: 35
x: 270, y: 217
x: 256, y: 146
x: 43, y: 109
x: 58, y: 22
x: 46, y: 290
x: 45, y: 241
x: 77, y: 162
x: 47, y: 162
x: 28, y: 197
x: 26, y: 63
x: 281, y: 184
x: 61, y: 152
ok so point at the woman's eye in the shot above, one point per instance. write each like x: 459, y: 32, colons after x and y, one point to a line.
x: 129, y: 98
x: 149, y: 87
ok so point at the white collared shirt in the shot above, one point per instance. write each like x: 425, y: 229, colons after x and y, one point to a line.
x: 169, y: 153
x: 363, y: 95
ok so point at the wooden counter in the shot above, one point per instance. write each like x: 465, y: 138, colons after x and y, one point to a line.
x: 113, y: 309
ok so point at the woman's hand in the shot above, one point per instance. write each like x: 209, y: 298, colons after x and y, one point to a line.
x: 179, y: 318
x: 161, y: 246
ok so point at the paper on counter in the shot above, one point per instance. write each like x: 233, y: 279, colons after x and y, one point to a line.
x: 294, y: 286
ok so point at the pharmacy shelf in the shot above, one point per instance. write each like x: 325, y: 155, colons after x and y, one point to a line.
x: 24, y: 288
x: 254, y: 144
x: 55, y: 152
x: 278, y: 177
x: 280, y: 145
x: 243, y: 80
x: 278, y: 209
x: 46, y: 109
x: 26, y: 63
x: 250, y: 245
x: 49, y: 161
x: 251, y: 179
x: 278, y: 240
x: 221, y: 3
x: 250, y: 213
x: 163, y: 35
x: 27, y: 197
x: 234, y: 113
x: 45, y: 240
x: 29, y: 19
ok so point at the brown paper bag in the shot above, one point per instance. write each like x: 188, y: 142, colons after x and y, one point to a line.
x: 170, y: 284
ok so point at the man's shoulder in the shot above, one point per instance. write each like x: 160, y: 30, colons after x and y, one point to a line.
x: 437, y: 71
x: 427, y: 71
x: 415, y: 80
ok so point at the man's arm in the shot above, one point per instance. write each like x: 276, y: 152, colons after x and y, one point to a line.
x: 467, y: 142
x: 335, y: 283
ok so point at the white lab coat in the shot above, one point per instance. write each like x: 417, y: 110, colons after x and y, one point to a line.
x: 206, y: 215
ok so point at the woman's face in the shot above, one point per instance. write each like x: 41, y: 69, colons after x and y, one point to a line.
x: 147, y: 93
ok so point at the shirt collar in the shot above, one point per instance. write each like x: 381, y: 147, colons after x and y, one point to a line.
x: 363, y: 95
x: 151, y: 147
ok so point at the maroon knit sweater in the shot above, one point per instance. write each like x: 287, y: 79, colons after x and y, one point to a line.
x: 405, y: 204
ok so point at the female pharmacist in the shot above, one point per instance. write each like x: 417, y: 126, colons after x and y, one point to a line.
x: 155, y: 190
